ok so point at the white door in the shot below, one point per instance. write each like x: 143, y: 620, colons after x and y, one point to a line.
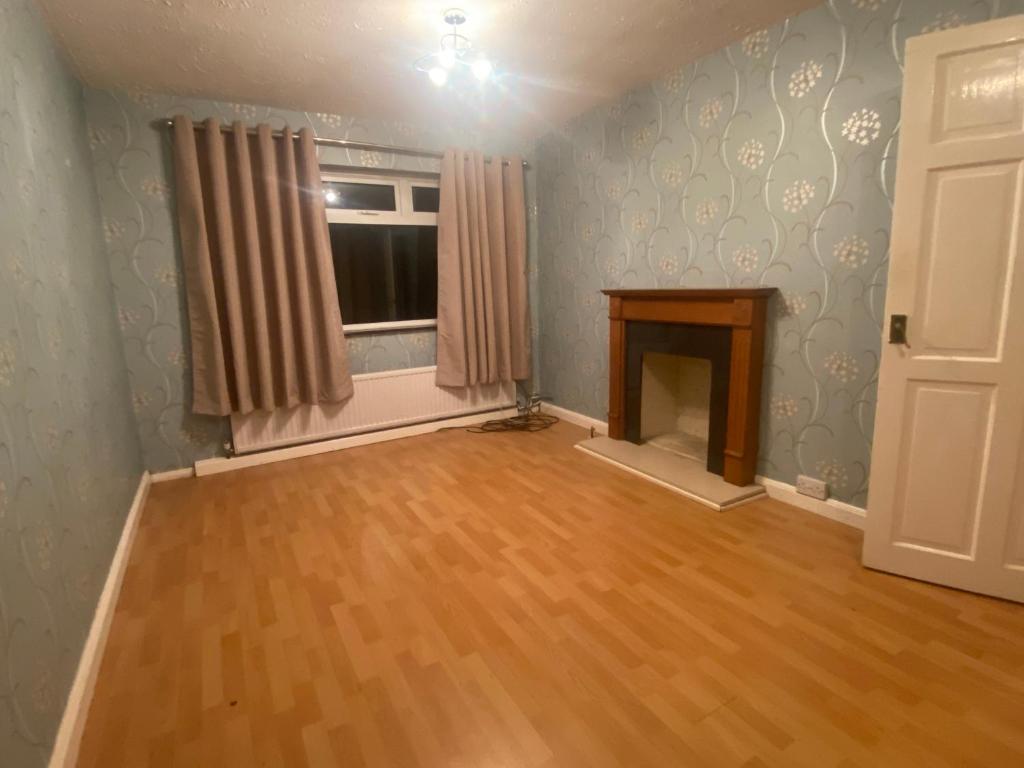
x: 946, y: 501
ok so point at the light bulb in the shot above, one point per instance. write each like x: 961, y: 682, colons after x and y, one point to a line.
x: 447, y: 58
x: 482, y: 69
x: 331, y: 195
x: 438, y: 76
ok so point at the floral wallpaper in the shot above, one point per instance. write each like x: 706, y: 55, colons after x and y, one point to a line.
x: 69, y: 453
x: 768, y: 163
x: 134, y: 175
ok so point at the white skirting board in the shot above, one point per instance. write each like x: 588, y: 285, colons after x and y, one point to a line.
x: 587, y: 422
x: 830, y: 508
x: 218, y: 465
x: 172, y: 474
x: 776, y: 489
x: 72, y: 724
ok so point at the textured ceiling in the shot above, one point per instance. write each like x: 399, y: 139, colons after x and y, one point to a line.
x: 354, y: 57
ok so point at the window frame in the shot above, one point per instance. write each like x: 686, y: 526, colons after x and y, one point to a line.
x: 403, y: 215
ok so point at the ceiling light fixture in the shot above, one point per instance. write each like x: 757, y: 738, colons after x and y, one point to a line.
x: 438, y: 75
x: 453, y: 54
x: 447, y: 58
x: 482, y: 69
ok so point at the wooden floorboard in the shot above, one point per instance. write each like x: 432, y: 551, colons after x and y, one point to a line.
x: 496, y: 600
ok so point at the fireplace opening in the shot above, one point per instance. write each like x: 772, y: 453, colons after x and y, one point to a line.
x: 675, y: 404
x: 684, y: 371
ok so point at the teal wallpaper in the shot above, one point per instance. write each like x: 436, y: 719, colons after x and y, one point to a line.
x: 134, y: 176
x: 768, y: 163
x: 69, y: 453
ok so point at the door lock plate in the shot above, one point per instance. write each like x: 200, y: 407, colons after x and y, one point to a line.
x: 898, y: 329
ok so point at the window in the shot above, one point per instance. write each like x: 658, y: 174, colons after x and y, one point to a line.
x: 384, y: 243
x: 352, y: 196
x: 386, y: 273
x: 426, y: 199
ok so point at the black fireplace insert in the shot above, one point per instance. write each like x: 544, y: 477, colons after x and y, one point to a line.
x: 712, y: 343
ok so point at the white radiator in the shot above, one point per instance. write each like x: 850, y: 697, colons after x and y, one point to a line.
x: 381, y: 400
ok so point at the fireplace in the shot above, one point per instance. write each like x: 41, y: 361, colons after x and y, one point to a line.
x: 681, y: 359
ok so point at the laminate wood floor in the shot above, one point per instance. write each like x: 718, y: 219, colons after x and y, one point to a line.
x: 504, y: 600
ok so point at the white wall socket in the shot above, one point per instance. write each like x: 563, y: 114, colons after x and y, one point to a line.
x: 811, y: 486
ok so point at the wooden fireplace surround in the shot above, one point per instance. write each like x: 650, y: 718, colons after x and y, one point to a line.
x: 744, y: 312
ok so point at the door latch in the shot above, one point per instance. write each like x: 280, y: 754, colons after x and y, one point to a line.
x: 898, y: 330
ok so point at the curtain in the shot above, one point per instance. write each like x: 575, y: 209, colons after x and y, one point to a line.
x: 483, y: 324
x: 263, y: 312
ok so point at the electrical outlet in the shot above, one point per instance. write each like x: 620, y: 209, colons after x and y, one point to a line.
x: 812, y: 486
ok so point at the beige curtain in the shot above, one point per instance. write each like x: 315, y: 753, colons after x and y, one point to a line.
x: 483, y: 323
x: 262, y: 304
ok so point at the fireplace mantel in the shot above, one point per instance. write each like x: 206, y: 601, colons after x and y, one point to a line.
x: 744, y: 312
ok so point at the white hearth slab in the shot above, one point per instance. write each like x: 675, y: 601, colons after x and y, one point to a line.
x: 685, y: 476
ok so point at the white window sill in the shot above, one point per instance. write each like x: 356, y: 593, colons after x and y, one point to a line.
x: 397, y: 325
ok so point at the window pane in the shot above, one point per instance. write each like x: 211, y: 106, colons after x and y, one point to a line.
x: 385, y: 272
x: 426, y: 199
x: 357, y: 196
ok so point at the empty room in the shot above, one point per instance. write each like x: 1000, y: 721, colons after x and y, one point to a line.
x: 523, y: 384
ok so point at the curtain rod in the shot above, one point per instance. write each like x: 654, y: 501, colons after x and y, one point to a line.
x: 364, y: 146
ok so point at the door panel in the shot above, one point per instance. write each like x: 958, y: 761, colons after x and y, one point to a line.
x: 943, y: 451
x: 948, y: 279
x: 980, y: 92
x: 946, y: 499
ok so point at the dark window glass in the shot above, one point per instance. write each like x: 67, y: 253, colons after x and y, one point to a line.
x: 356, y: 196
x: 385, y: 272
x: 426, y: 199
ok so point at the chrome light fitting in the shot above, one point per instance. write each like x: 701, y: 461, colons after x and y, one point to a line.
x: 455, y: 54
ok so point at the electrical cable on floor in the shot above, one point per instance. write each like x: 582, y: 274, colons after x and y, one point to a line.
x: 529, y: 419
